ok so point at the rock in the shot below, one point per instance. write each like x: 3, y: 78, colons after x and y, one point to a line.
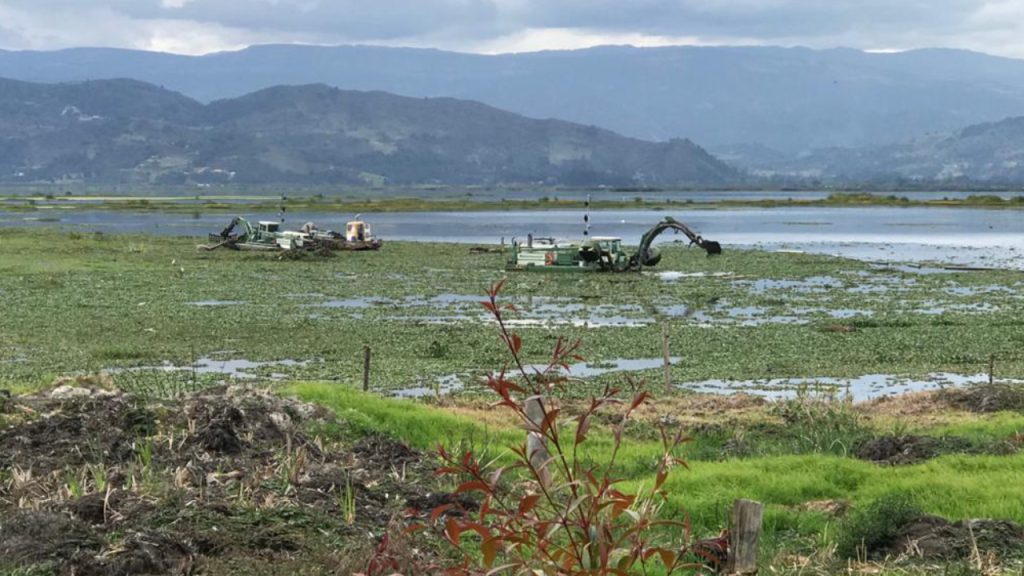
x: 67, y: 391
x: 281, y: 421
x: 833, y: 508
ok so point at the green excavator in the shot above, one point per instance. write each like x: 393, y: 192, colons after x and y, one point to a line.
x: 240, y: 234
x: 600, y: 253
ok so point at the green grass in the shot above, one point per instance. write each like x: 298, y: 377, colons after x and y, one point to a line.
x: 954, y: 486
x: 427, y: 428
x: 951, y: 486
x: 417, y: 424
x: 1000, y: 425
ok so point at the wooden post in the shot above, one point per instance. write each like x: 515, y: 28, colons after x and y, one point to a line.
x: 668, y: 362
x: 536, y: 444
x: 991, y: 369
x: 746, y: 528
x: 366, y: 368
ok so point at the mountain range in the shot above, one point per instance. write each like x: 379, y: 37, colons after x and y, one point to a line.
x: 127, y: 131
x: 991, y: 153
x: 791, y: 100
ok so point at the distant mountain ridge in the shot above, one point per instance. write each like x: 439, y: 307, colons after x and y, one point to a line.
x: 789, y: 99
x: 991, y: 153
x: 130, y: 131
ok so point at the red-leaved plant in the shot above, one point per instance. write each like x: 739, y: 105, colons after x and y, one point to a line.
x: 550, y: 512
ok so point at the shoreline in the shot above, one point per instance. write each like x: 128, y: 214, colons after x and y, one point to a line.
x: 234, y: 203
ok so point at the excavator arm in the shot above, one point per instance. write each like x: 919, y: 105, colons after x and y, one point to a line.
x: 644, y: 255
x: 236, y: 222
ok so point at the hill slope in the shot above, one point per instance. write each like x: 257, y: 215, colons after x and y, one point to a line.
x: 127, y: 131
x: 991, y: 152
x: 791, y: 99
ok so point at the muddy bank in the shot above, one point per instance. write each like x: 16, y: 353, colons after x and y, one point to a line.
x: 234, y: 479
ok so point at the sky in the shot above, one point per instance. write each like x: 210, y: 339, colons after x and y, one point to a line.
x: 498, y: 26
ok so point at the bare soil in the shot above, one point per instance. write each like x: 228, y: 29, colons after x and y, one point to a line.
x: 985, y: 398
x: 898, y: 449
x: 231, y: 480
x: 935, y: 538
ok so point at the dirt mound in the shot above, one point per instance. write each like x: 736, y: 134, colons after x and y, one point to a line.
x: 898, y: 449
x: 907, y: 405
x: 30, y: 536
x: 910, y: 449
x: 935, y: 538
x: 428, y: 502
x: 62, y: 430
x: 985, y: 398
x: 376, y: 449
x: 233, y: 476
x: 150, y: 552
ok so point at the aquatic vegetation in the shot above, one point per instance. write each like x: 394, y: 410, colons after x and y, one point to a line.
x: 84, y: 302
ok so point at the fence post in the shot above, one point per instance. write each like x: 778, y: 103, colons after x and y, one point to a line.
x: 366, y: 368
x: 668, y: 362
x: 746, y: 528
x: 991, y: 369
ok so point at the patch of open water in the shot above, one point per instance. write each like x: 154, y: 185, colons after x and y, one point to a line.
x: 236, y: 368
x: 530, y: 310
x: 859, y: 388
x: 934, y: 307
x: 812, y: 284
x: 976, y: 290
x: 542, y: 311
x: 455, y: 382
x: 593, y: 369
x: 443, y: 385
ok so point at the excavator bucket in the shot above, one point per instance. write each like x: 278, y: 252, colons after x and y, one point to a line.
x: 647, y: 254
x: 711, y: 247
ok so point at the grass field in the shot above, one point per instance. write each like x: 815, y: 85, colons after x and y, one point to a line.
x: 953, y: 485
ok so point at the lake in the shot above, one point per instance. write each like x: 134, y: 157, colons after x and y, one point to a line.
x: 959, y: 236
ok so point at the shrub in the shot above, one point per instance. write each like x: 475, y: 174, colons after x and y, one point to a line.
x: 821, y: 424
x: 551, y: 511
x: 876, y: 525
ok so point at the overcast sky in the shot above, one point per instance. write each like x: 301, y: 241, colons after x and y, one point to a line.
x: 491, y: 26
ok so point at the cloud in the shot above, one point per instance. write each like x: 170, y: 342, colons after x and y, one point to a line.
x: 199, y: 26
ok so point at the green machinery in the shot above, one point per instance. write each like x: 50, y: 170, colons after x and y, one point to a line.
x: 241, y: 234
x: 600, y: 253
x: 264, y: 235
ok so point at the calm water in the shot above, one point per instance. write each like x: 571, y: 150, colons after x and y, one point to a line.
x: 964, y: 236
x: 496, y: 195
